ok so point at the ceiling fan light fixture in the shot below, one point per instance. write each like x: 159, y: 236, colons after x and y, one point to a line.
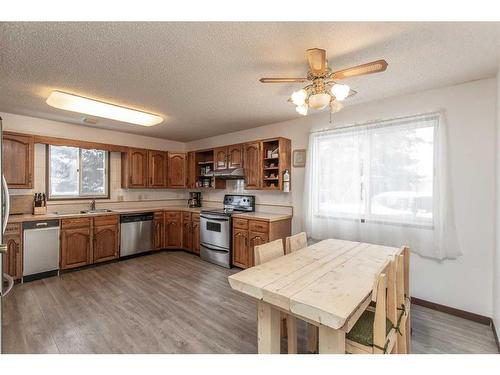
x: 335, y: 106
x: 299, y: 97
x: 319, y: 101
x: 340, y: 91
x: 302, y: 109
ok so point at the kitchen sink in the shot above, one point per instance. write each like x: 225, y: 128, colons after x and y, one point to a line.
x: 95, y: 211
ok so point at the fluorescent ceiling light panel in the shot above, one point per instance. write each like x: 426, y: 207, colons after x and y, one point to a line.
x: 75, y: 103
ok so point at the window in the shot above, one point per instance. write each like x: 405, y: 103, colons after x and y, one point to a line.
x: 77, y: 173
x: 380, y: 172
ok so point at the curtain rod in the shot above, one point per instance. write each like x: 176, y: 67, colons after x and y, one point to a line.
x: 439, y: 112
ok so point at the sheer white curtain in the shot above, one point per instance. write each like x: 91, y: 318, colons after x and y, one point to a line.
x: 384, y: 183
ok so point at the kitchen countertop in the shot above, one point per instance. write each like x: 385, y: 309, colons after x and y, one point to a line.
x: 267, y: 216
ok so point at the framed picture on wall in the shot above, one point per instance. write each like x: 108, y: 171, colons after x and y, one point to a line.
x: 299, y: 158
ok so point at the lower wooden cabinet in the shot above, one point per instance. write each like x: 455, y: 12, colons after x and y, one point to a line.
x: 75, y: 246
x: 13, y: 259
x: 249, y: 233
x: 159, y: 230
x: 173, y: 230
x: 89, y: 240
x: 187, y: 235
x: 196, y: 233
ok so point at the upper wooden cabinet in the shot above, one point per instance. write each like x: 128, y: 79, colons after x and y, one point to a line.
x: 135, y: 169
x: 235, y: 156
x: 191, y: 170
x: 276, y: 159
x: 176, y: 170
x: 157, y: 169
x: 228, y: 157
x: 252, y: 161
x: 220, y: 156
x: 18, y: 156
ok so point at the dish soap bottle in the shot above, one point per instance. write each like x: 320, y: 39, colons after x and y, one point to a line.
x: 286, y: 181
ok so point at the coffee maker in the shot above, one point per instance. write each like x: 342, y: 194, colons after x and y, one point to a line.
x: 194, y: 199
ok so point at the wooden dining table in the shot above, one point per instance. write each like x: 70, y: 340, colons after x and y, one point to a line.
x: 328, y: 284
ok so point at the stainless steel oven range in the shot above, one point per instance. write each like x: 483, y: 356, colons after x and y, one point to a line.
x: 215, y: 229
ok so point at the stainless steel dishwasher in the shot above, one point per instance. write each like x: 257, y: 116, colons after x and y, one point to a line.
x: 136, y: 233
x: 40, y: 249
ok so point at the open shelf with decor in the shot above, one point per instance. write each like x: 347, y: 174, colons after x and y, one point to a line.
x: 204, y: 164
x: 276, y: 158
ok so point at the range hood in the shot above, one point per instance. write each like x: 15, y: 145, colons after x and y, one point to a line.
x: 228, y: 174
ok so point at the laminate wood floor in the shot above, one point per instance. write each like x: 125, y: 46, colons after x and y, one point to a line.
x: 173, y: 302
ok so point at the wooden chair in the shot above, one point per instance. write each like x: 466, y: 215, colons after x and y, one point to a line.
x: 403, y: 326
x: 264, y: 253
x: 374, y: 331
x: 296, y: 242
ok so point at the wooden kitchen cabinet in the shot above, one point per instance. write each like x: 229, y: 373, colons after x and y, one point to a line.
x: 173, y: 230
x: 157, y: 169
x: 135, y: 169
x: 187, y: 231
x: 241, y: 254
x: 17, y: 159
x: 75, y: 243
x: 13, y: 259
x: 252, y: 161
x: 159, y: 230
x: 106, y: 237
x: 220, y: 156
x: 235, y: 156
x: 248, y: 233
x: 176, y: 170
x: 196, y: 233
x: 191, y: 170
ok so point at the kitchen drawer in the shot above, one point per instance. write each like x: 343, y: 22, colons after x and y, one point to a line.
x: 195, y: 216
x: 259, y: 226
x: 172, y: 215
x: 186, y: 216
x: 106, y: 220
x: 159, y: 215
x: 240, y: 223
x: 13, y: 228
x: 79, y: 222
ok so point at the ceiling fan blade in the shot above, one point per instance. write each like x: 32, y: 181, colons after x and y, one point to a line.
x: 316, y: 58
x: 282, y: 80
x: 368, y: 68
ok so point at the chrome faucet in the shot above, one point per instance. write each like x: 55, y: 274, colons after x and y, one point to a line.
x: 92, y: 205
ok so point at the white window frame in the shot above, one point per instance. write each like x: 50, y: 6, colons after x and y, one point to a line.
x: 80, y: 195
x: 366, y: 182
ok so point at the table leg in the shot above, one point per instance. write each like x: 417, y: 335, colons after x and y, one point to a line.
x: 331, y: 341
x: 291, y: 326
x: 312, y: 338
x: 268, y: 328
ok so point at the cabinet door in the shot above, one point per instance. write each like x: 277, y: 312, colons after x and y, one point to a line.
x: 187, y: 235
x: 235, y: 156
x: 252, y: 160
x: 176, y: 170
x: 241, y: 256
x: 13, y: 259
x: 220, y: 155
x: 157, y: 169
x: 75, y: 247
x: 136, y: 168
x: 105, y: 243
x: 173, y: 234
x: 196, y: 237
x: 191, y: 170
x: 158, y: 232
x: 254, y: 240
x: 18, y: 155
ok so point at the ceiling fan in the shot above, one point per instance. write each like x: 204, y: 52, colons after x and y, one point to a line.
x: 323, y: 89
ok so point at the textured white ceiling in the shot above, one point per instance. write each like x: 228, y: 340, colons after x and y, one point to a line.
x: 203, y: 77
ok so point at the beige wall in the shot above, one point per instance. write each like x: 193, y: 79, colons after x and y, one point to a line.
x: 467, y: 282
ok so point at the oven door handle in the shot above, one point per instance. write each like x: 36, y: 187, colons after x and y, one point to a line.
x: 216, y: 218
